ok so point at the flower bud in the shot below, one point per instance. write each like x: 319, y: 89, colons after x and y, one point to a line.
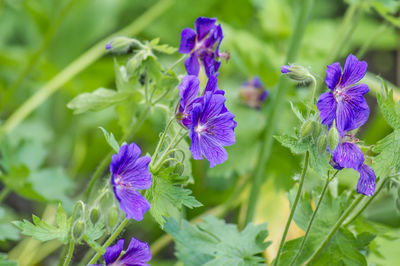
x: 179, y: 168
x: 94, y: 215
x: 78, y: 229
x: 333, y: 138
x: 317, y: 129
x: 307, y: 128
x: 322, y: 144
x: 119, y: 45
x: 296, y: 72
x: 113, y: 216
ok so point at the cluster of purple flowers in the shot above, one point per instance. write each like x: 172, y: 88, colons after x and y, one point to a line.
x: 204, y: 114
x: 253, y: 93
x: 345, y: 105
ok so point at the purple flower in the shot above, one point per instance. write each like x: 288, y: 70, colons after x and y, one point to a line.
x: 366, y: 182
x: 202, y: 44
x: 137, y: 254
x: 345, y: 101
x: 212, y: 128
x: 130, y: 173
x: 189, y: 92
x: 253, y: 93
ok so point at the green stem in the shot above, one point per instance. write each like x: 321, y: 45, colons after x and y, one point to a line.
x: 4, y: 193
x: 370, y: 41
x: 336, y: 227
x: 129, y: 134
x: 177, y: 62
x: 293, y: 209
x: 62, y: 256
x: 310, y: 223
x: 35, y: 56
x: 275, y: 112
x: 110, y: 240
x: 312, y: 94
x: 365, y: 204
x: 80, y: 64
x: 70, y: 252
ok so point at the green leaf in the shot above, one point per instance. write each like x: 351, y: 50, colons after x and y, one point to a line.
x: 213, y: 242
x: 97, y: 100
x: 296, y: 146
x: 166, y: 197
x: 389, y: 108
x: 163, y: 48
x: 110, y: 140
x: 388, y: 158
x: 42, y: 231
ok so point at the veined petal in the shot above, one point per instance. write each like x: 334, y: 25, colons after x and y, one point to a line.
x: 188, y: 41
x: 213, y: 104
x: 223, y: 129
x: 348, y: 155
x: 203, y: 26
x: 188, y: 90
x: 327, y: 108
x: 192, y: 64
x: 131, y: 202
x: 212, y: 84
x: 333, y: 74
x: 194, y: 136
x: 137, y: 177
x: 212, y: 150
x: 353, y: 71
x: 357, y: 90
x: 366, y: 182
x: 138, y: 253
x: 352, y: 111
x: 125, y: 159
x: 113, y: 252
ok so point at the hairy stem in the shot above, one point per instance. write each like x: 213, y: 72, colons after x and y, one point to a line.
x: 110, y: 240
x: 293, y: 209
x: 80, y: 64
x: 70, y: 252
x: 335, y: 228
x: 275, y: 111
x: 310, y: 223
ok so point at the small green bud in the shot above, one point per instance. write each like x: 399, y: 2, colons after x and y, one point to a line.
x: 78, y: 230
x: 179, y: 168
x: 322, y: 144
x: 119, y: 44
x: 94, y: 215
x: 307, y: 128
x: 113, y: 216
x: 333, y: 138
x: 317, y: 129
x: 296, y: 72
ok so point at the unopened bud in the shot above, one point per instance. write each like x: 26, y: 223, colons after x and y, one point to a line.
x: 94, y: 215
x: 179, y: 168
x: 119, y: 45
x: 317, y: 129
x: 333, y: 138
x: 296, y: 72
x: 322, y: 144
x: 307, y: 128
x: 112, y: 217
x: 78, y: 230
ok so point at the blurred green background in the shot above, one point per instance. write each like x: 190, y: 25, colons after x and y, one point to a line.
x: 40, y: 38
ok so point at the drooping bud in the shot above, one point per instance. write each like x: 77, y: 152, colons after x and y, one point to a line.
x: 78, y: 229
x: 333, y: 138
x: 307, y: 128
x: 296, y: 72
x: 322, y: 144
x: 94, y: 215
x: 120, y: 44
x: 179, y: 168
x: 112, y: 216
x: 253, y: 93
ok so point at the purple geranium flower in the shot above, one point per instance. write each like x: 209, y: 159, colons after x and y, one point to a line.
x: 137, y: 254
x: 345, y: 101
x: 253, y: 93
x: 130, y: 173
x: 202, y: 44
x: 212, y: 128
x: 366, y: 182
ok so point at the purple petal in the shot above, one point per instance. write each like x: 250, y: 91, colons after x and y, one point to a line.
x: 366, y: 182
x: 126, y: 157
x: 210, y: 64
x: 327, y: 108
x: 212, y: 84
x: 215, y: 37
x: 212, y: 150
x: 138, y: 253
x: 108, y: 46
x: 131, y: 202
x: 194, y: 136
x: 192, y: 64
x: 213, y: 105
x: 333, y: 74
x: 188, y: 41
x: 352, y: 112
x: 203, y: 25
x: 188, y: 90
x: 353, y: 71
x: 285, y: 69
x: 223, y: 126
x: 357, y: 90
x: 113, y: 252
x: 257, y: 83
x: 348, y: 155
